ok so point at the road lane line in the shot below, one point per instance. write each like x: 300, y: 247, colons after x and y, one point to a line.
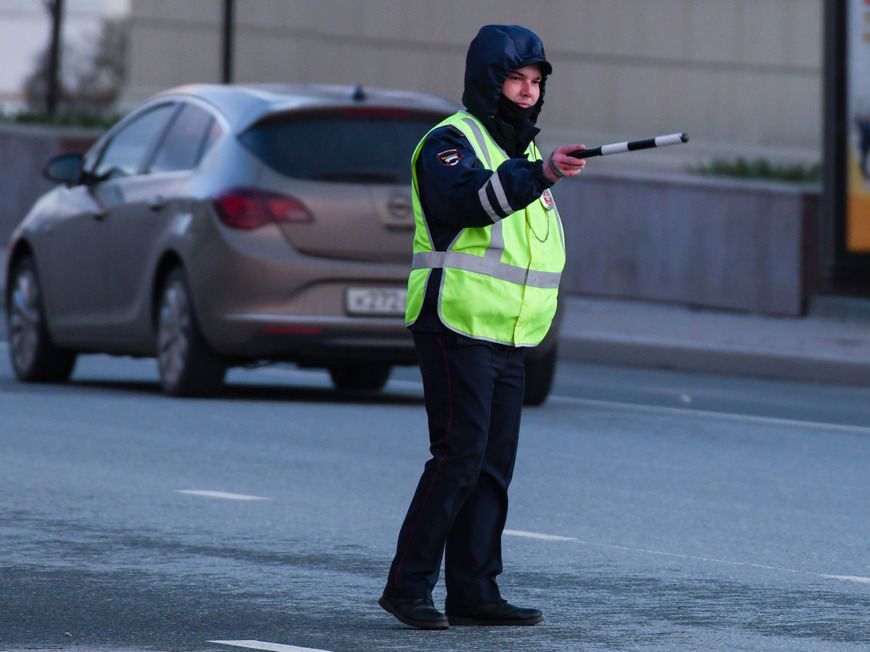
x: 537, y: 535
x: 723, y: 416
x: 271, y: 647
x: 850, y: 578
x: 661, y: 553
x: 219, y: 494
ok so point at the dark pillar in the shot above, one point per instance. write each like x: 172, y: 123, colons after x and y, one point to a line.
x: 52, y: 95
x: 229, y: 28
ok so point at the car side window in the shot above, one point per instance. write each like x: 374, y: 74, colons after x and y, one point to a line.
x: 125, y: 153
x: 211, y: 135
x: 185, y: 141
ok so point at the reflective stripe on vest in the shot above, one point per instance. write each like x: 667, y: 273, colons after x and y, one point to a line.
x: 494, y: 182
x: 488, y: 267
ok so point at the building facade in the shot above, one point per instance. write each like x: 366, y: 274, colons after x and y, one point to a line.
x: 742, y: 77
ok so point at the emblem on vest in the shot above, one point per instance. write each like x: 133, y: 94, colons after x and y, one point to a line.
x: 547, y: 200
x: 450, y: 157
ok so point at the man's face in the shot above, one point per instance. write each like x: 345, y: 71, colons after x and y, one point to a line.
x: 523, y: 86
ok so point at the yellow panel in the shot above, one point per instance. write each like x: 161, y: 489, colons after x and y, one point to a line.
x: 857, y: 209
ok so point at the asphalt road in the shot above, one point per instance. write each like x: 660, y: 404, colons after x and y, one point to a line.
x: 650, y: 511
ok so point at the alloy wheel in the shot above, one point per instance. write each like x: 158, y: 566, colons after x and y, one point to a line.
x: 24, y: 319
x: 172, y: 333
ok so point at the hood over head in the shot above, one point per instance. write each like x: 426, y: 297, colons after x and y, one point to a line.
x: 492, y: 55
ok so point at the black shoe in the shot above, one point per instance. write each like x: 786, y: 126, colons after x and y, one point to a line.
x: 495, y: 613
x: 416, y: 612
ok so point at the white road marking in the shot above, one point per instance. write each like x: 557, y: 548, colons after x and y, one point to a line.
x: 219, y: 494
x: 849, y: 578
x: 553, y: 537
x: 272, y: 647
x: 712, y: 414
x: 536, y: 535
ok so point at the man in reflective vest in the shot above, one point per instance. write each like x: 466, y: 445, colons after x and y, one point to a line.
x: 488, y: 253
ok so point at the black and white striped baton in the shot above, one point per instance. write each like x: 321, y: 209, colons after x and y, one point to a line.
x: 631, y: 146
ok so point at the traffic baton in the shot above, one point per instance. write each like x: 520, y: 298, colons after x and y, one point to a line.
x: 631, y: 146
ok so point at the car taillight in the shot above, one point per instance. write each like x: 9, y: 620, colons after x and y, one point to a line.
x: 250, y: 208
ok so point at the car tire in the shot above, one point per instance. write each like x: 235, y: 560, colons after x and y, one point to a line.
x: 539, y: 377
x: 186, y: 364
x: 34, y: 356
x: 364, y: 377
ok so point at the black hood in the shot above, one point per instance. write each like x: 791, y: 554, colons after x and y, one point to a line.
x: 492, y: 55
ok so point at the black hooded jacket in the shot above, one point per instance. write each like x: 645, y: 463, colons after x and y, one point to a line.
x: 492, y: 55
x: 449, y: 173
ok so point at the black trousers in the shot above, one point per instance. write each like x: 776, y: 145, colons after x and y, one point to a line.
x: 473, y: 394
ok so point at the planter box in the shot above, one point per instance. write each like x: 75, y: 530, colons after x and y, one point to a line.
x: 24, y: 151
x: 698, y: 241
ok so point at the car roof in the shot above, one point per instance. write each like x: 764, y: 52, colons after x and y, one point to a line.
x: 245, y: 104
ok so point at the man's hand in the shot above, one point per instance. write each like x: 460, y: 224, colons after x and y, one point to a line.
x: 559, y: 165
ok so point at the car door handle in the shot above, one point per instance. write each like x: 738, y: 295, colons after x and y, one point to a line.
x: 100, y: 215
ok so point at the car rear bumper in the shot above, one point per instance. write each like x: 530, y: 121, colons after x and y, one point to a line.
x: 319, y: 341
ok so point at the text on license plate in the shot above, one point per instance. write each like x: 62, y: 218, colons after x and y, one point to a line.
x: 376, y: 301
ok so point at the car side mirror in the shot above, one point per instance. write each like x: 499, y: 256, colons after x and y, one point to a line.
x: 66, y: 168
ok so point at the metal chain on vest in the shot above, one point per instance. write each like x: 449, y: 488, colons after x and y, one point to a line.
x: 532, y: 229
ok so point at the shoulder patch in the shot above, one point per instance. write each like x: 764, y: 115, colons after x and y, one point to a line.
x: 449, y: 157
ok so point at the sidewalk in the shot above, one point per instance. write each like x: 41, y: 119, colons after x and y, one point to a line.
x: 830, y: 345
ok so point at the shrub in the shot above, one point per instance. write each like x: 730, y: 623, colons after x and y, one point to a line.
x: 760, y: 168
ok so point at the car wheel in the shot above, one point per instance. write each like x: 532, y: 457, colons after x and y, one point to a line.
x: 368, y: 377
x: 539, y: 377
x: 187, y: 366
x: 34, y: 357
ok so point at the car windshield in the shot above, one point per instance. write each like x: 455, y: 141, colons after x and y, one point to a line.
x: 351, y: 146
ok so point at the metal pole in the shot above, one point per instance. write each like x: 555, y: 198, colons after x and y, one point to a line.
x: 833, y: 232
x: 52, y: 94
x: 229, y: 27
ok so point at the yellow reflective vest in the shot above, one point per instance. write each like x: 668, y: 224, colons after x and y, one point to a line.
x: 499, y: 282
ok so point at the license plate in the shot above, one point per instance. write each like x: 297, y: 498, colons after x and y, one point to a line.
x: 376, y: 301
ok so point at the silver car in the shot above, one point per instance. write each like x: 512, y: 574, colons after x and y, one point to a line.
x: 219, y: 226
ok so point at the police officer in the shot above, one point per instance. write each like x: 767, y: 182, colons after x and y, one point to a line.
x: 488, y: 252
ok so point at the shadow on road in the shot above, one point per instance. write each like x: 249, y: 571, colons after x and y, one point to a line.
x: 230, y: 392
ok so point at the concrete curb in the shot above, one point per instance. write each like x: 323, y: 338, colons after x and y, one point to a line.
x: 711, y: 360
x: 831, y: 344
